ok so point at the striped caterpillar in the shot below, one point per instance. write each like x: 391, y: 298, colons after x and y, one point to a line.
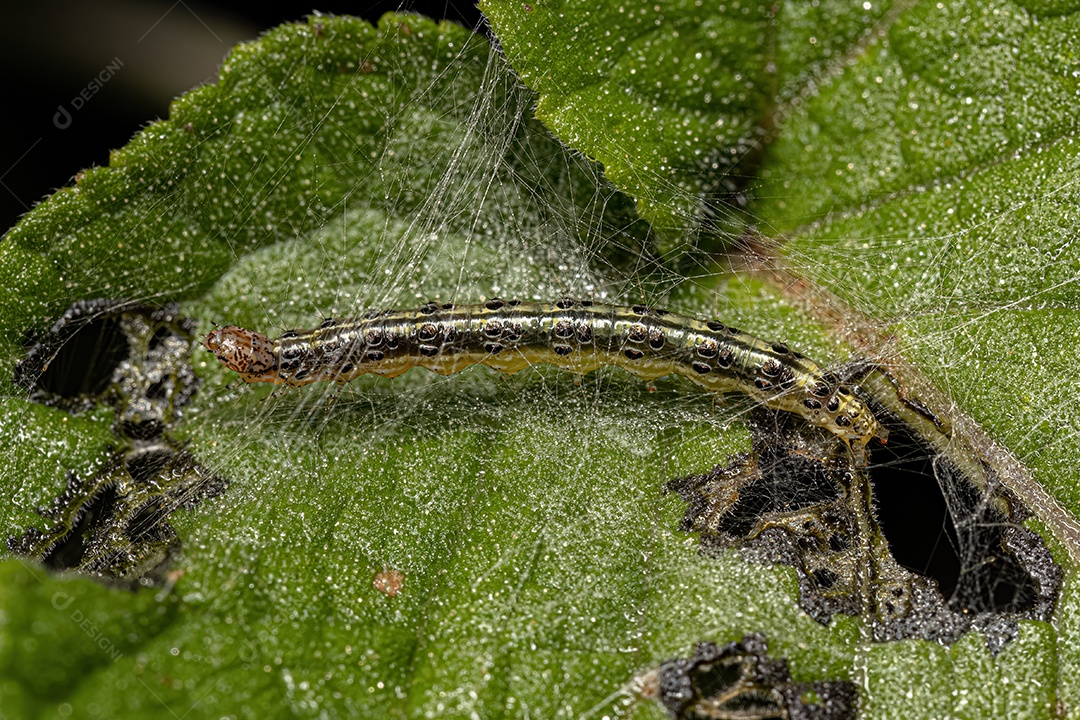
x: 579, y: 336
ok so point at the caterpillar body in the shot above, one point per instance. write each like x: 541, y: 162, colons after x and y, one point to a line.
x: 577, y: 335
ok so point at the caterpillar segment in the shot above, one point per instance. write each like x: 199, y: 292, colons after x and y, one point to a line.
x: 576, y: 335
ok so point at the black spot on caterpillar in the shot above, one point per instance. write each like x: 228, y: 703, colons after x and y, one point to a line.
x: 576, y: 336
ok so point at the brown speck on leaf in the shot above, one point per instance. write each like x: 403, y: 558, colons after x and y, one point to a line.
x: 389, y: 582
x: 647, y: 685
x: 367, y: 67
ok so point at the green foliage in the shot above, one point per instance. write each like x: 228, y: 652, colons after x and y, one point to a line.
x: 335, y: 165
x: 672, y: 97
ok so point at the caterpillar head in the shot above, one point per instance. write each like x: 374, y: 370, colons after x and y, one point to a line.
x: 248, y: 353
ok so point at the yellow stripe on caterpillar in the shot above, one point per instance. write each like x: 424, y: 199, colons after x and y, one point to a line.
x: 579, y: 336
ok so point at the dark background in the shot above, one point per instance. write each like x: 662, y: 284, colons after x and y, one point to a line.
x: 53, y: 49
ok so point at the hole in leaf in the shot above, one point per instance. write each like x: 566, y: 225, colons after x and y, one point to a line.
x: 958, y: 543
x: 740, y: 680
x: 136, y: 358
x: 952, y: 556
x: 83, y: 363
x: 912, y: 511
x: 71, y: 550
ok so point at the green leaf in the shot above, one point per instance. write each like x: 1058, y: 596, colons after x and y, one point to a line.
x: 57, y: 629
x: 336, y: 166
x: 672, y: 97
x: 961, y: 236
x: 920, y: 182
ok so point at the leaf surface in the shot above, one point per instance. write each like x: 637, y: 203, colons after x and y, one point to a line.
x: 336, y: 166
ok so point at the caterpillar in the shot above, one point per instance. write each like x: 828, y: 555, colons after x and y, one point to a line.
x: 577, y: 335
